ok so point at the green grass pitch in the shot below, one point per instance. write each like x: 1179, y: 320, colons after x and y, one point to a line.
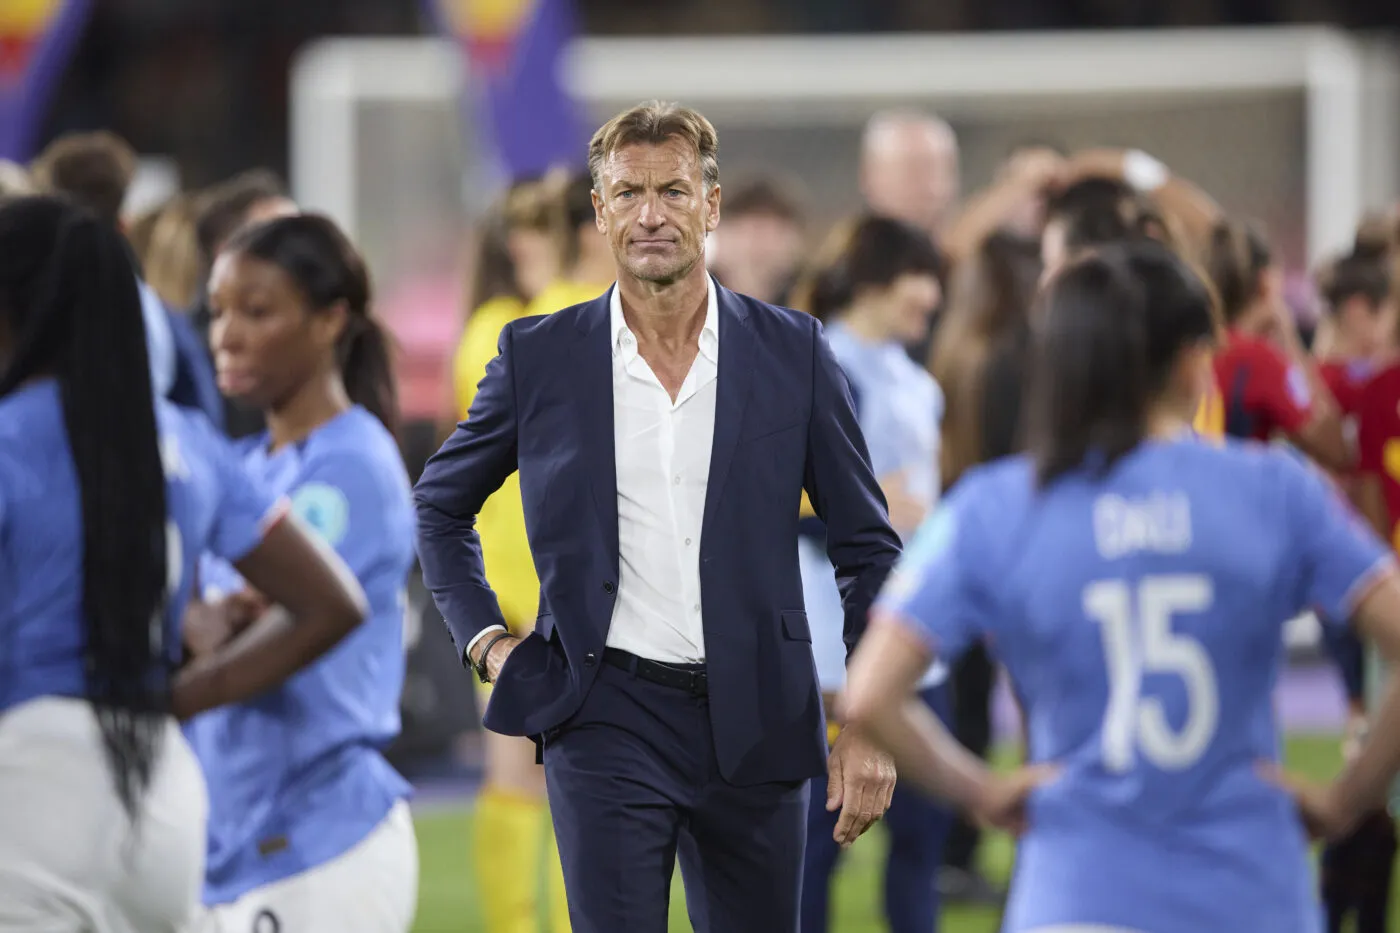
x: 446, y: 896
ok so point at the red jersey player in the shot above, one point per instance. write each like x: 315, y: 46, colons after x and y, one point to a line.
x: 1378, y: 444
x: 1268, y: 391
x: 1357, y: 334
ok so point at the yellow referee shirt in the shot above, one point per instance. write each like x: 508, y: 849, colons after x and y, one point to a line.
x: 505, y: 548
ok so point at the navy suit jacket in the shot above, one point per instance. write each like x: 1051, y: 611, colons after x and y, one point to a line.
x: 784, y: 422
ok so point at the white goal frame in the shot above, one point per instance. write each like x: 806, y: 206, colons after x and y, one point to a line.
x: 1351, y: 87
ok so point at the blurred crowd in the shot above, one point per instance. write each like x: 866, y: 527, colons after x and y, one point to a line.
x: 953, y: 276
x: 950, y: 275
x: 220, y: 67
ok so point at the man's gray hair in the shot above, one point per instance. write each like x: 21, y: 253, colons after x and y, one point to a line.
x: 655, y: 122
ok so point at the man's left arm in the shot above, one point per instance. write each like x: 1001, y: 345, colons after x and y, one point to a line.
x: 841, y: 486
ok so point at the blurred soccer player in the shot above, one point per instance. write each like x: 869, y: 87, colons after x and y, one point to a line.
x: 520, y: 258
x: 1356, y: 871
x: 979, y: 361
x: 246, y: 198
x: 220, y: 212
x: 585, y: 260
x: 909, y: 168
x: 309, y: 827
x: 1357, y: 333
x: 514, y: 258
x: 1135, y: 581
x: 107, y: 498
x: 759, y: 250
x: 1360, y: 324
x: 873, y: 298
x: 1014, y: 203
x: 1095, y: 211
x: 511, y: 813
x: 94, y: 171
x: 1186, y: 213
x: 1378, y: 450
x: 1270, y: 384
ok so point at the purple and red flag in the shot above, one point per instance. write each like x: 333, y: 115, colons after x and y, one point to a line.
x: 36, y: 39
x: 514, y: 51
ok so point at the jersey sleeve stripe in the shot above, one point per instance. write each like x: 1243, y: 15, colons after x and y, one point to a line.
x: 910, y: 630
x: 279, y: 510
x: 1366, y: 584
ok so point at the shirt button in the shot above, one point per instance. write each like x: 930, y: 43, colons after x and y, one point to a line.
x: 676, y: 480
x: 687, y: 542
x: 696, y: 607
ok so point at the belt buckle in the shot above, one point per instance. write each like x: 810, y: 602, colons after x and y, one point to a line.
x: 699, y: 684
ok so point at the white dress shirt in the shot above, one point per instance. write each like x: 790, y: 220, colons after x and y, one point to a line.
x: 662, y: 449
x: 663, y: 469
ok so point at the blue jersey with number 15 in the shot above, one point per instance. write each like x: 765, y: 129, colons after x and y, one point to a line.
x: 1139, y: 615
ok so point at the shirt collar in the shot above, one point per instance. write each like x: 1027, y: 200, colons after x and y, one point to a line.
x: 623, y: 339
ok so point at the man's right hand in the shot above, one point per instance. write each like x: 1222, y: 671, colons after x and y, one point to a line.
x: 501, y: 647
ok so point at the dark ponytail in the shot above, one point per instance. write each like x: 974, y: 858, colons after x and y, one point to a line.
x: 1088, y: 389
x: 366, y: 365
x: 69, y: 290
x: 328, y: 270
x: 1113, y: 326
x: 1236, y: 259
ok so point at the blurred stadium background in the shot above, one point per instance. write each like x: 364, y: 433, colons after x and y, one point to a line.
x: 390, y: 115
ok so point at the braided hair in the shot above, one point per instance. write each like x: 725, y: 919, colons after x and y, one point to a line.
x: 69, y: 297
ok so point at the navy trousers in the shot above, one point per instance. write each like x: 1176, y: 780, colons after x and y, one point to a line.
x: 917, y: 828
x: 633, y: 782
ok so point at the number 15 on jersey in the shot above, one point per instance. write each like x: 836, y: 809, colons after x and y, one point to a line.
x: 1138, y: 640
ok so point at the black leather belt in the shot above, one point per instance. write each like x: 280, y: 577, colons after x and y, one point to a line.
x: 688, y: 677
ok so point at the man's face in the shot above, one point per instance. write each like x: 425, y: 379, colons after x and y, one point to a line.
x: 652, y: 205
x: 910, y: 173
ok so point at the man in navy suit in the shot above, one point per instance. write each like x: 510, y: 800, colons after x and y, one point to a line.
x: 665, y: 434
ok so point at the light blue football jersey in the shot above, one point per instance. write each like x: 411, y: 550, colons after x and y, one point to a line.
x: 297, y: 777
x: 211, y: 504
x: 1139, y: 616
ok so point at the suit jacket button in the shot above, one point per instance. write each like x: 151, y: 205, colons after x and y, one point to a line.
x: 590, y: 659
x: 608, y: 587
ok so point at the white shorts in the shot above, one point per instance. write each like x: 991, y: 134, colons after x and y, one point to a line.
x: 70, y: 861
x: 373, y: 888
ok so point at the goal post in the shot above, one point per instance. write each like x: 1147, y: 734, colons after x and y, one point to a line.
x: 1348, y: 86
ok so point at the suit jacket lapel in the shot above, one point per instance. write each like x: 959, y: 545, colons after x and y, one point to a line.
x: 736, y: 351
x: 593, y: 395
